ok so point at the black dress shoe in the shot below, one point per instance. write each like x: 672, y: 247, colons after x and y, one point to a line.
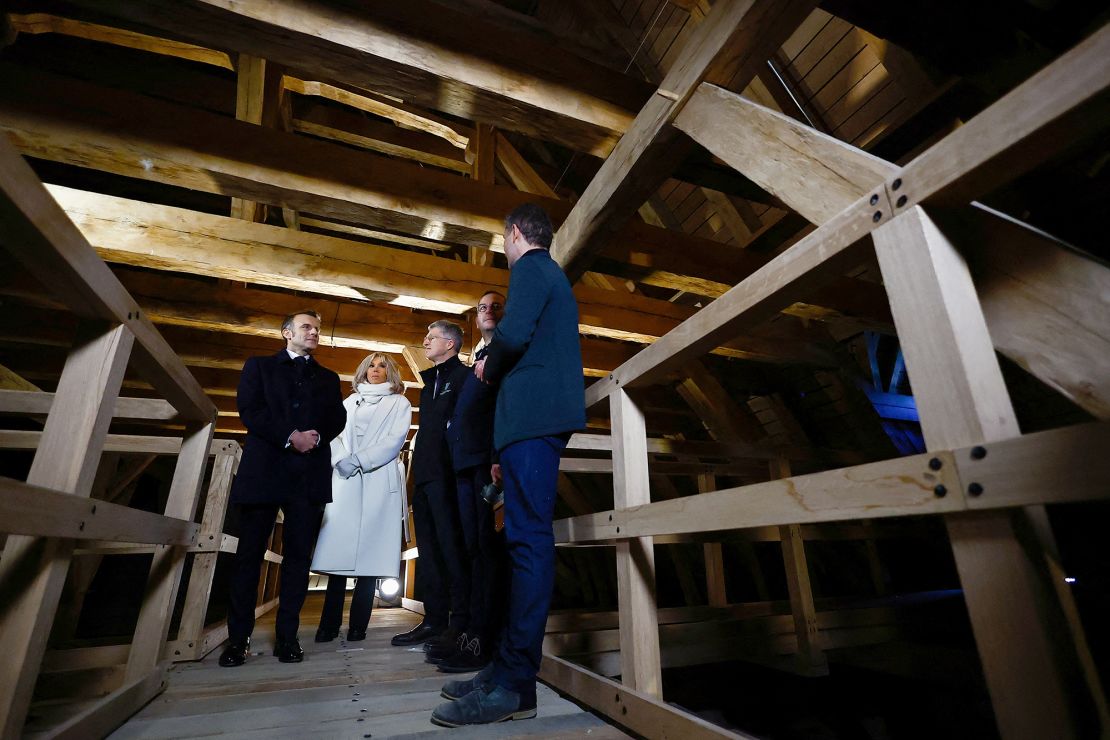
x: 449, y: 638
x: 418, y: 634
x: 326, y: 634
x: 440, y: 650
x: 235, y: 653
x: 354, y: 635
x: 289, y: 651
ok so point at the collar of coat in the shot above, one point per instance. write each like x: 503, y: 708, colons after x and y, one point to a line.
x: 447, y: 365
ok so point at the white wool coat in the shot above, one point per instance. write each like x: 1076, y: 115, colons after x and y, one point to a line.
x: 361, y: 532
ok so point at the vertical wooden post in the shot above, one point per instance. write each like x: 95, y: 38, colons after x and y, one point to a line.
x: 249, y: 99
x: 165, y: 569
x: 963, y: 401
x: 485, y: 151
x: 33, y: 569
x: 714, y: 555
x: 639, y: 624
x: 191, y: 633
x: 809, y: 659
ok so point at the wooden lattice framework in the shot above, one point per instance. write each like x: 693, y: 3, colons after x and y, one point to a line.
x: 989, y: 482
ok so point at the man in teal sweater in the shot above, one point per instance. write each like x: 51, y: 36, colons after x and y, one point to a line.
x: 536, y: 359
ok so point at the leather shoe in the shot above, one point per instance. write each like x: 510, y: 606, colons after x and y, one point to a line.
x: 418, y: 634
x: 455, y: 690
x: 326, y: 634
x: 447, y: 641
x: 354, y: 635
x: 289, y: 651
x: 441, y: 650
x: 235, y: 654
x: 486, y: 704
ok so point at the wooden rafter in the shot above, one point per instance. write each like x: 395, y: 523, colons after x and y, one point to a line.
x: 419, y: 52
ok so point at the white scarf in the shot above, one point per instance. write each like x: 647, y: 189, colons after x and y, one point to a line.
x: 372, y: 393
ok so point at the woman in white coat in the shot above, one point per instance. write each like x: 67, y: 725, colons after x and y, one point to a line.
x: 361, y: 532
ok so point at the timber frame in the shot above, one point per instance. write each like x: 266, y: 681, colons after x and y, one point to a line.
x: 962, y: 283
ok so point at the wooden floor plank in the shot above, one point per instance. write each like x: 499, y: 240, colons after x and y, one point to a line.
x: 342, y: 689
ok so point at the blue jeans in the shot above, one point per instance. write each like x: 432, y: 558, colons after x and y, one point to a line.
x: 530, y: 472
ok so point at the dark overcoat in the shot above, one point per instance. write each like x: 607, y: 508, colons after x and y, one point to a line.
x: 470, y: 434
x: 276, y: 398
x: 431, y: 459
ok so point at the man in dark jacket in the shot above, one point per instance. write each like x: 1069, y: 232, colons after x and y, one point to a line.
x: 292, y: 408
x: 442, y: 566
x: 470, y: 437
x: 536, y: 359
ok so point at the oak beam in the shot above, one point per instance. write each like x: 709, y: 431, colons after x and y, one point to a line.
x: 728, y: 48
x: 962, y: 400
x: 162, y: 237
x: 426, y: 53
x: 1040, y: 297
x: 639, y: 630
x: 70, y: 121
x: 40, y: 235
x: 33, y: 569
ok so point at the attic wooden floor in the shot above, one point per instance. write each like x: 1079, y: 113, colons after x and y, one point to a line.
x: 341, y: 690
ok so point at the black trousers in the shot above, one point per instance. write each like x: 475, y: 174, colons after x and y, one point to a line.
x: 485, y: 550
x: 256, y: 521
x: 444, y: 574
x: 362, y: 602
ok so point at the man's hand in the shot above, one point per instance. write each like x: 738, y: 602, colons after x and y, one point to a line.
x: 495, y: 472
x: 480, y: 369
x: 304, y: 441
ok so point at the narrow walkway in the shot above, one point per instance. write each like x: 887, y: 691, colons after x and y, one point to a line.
x: 341, y: 690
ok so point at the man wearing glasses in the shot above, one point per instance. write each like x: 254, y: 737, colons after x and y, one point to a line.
x: 470, y: 437
x: 444, y: 574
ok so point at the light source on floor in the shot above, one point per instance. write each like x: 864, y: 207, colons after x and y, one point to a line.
x: 389, y: 591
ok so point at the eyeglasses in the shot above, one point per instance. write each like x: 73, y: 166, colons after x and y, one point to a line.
x: 430, y: 337
x: 483, y: 308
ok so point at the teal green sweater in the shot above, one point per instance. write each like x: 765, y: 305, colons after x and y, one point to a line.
x: 535, y: 355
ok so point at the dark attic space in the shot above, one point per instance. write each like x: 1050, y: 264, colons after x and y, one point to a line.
x: 555, y: 368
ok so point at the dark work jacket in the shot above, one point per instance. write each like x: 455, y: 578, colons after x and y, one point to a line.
x: 431, y: 460
x: 535, y: 355
x: 470, y: 434
x: 274, y: 400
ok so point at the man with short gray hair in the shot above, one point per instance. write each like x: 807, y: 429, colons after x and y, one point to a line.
x: 443, y: 569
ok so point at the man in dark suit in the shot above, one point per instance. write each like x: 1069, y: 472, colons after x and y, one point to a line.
x: 292, y: 408
x: 536, y: 358
x: 442, y: 565
x: 470, y: 437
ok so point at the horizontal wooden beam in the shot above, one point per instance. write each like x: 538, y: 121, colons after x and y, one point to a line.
x: 40, y: 235
x: 900, y: 487
x: 41, y: 512
x: 36, y: 23
x: 426, y: 53
x: 11, y: 439
x: 161, y: 237
x: 1057, y: 466
x: 34, y: 403
x: 74, y: 122
x: 667, y: 446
